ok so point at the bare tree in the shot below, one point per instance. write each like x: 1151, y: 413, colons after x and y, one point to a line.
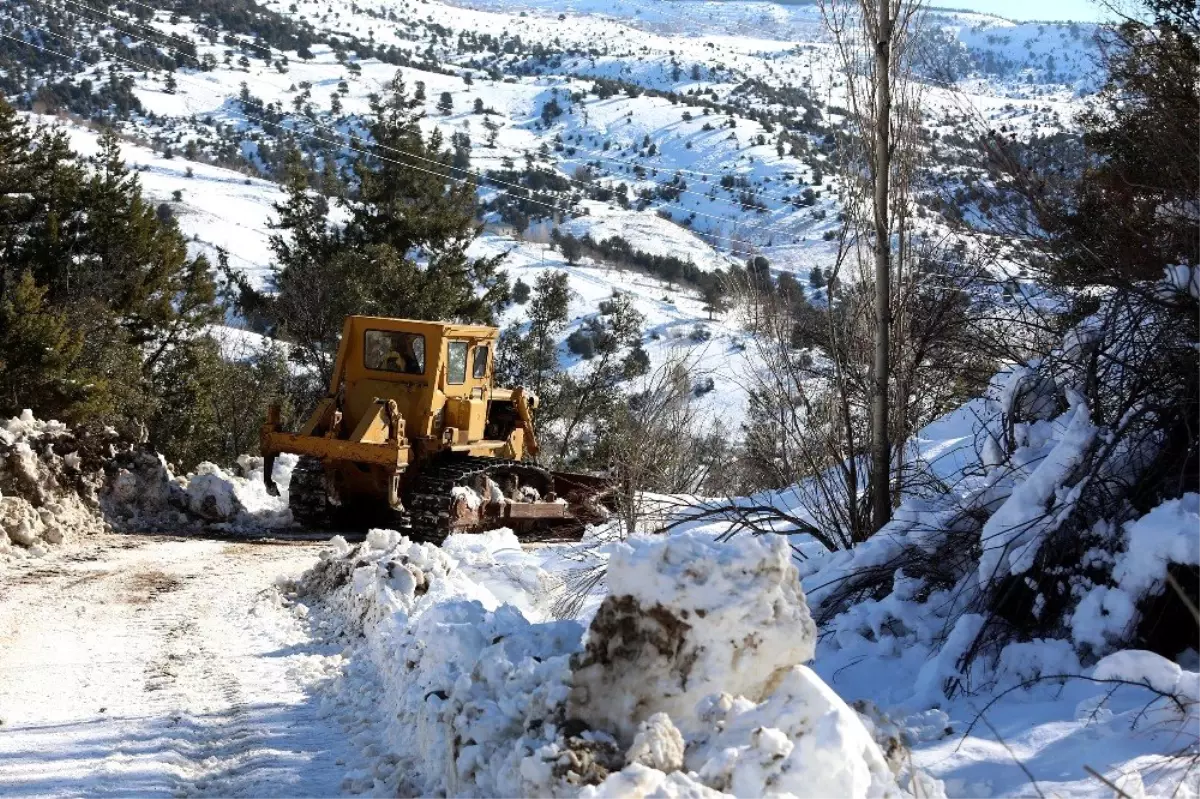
x: 810, y: 386
x: 657, y: 444
x: 874, y: 39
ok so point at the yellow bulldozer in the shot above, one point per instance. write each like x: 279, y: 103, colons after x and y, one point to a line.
x: 412, y: 433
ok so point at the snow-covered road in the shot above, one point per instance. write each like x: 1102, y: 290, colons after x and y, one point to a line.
x: 163, y: 667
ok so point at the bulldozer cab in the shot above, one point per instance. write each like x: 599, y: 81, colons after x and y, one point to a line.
x: 432, y: 370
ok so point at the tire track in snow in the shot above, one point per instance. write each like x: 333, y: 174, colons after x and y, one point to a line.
x: 163, y: 669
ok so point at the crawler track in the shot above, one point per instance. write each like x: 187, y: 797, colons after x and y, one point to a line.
x: 430, y: 496
x: 428, y: 499
x: 307, y: 496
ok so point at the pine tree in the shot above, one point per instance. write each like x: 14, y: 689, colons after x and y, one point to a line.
x: 714, y: 299
x: 311, y: 297
x: 445, y: 103
x: 462, y: 152
x: 137, y: 264
x: 493, y: 129
x: 93, y: 277
x: 528, y: 353
x: 520, y: 292
x: 571, y: 248
x: 38, y: 351
x: 401, y: 253
x: 420, y: 207
x: 587, y: 398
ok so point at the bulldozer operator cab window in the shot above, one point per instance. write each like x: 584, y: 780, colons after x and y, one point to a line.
x: 456, y: 362
x: 394, y: 352
x: 479, y: 365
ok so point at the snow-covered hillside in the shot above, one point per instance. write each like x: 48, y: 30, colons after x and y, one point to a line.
x: 699, y: 130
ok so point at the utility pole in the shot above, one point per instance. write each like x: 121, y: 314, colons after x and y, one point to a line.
x: 881, y: 455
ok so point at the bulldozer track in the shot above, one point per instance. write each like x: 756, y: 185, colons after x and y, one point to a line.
x: 307, y: 496
x: 428, y: 500
x: 430, y: 497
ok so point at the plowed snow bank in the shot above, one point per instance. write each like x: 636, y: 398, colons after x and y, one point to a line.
x: 58, y: 482
x: 687, y: 683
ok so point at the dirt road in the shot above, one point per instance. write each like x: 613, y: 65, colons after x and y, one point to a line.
x: 164, y: 667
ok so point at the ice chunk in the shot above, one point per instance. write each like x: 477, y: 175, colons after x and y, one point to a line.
x: 658, y: 744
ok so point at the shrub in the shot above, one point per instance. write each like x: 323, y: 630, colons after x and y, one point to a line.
x: 581, y: 343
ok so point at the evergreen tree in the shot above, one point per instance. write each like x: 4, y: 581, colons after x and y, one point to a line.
x: 759, y: 270
x: 95, y: 288
x: 312, y: 298
x: 571, y: 247
x: 493, y: 129
x: 462, y: 152
x: 1134, y: 211
x: 445, y: 103
x: 588, y: 398
x: 38, y: 353
x: 520, y: 292
x: 528, y: 353
x: 401, y: 253
x: 714, y: 298
x: 135, y: 263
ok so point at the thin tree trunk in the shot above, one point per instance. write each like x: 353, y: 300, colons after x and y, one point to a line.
x: 880, y: 443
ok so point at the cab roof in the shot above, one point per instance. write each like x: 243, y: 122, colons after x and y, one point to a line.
x: 444, y: 329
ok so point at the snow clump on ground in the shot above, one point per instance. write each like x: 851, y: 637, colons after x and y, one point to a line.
x: 688, y: 683
x: 240, y: 502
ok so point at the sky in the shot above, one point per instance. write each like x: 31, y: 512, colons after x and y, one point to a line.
x: 1021, y: 10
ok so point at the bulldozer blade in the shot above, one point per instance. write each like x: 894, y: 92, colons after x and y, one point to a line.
x: 465, y: 517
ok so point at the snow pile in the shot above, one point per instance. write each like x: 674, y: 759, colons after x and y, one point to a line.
x: 470, y: 686
x: 685, y: 618
x: 241, y: 502
x: 142, y: 495
x: 48, y: 488
x: 1165, y: 535
x: 1183, y: 279
x: 802, y: 740
x: 57, y: 482
x: 687, y: 683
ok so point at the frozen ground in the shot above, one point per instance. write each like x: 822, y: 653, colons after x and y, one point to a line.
x: 163, y: 667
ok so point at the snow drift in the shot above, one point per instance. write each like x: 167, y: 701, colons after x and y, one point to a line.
x: 58, y: 482
x: 688, y: 682
x: 49, y: 483
x: 1063, y: 532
